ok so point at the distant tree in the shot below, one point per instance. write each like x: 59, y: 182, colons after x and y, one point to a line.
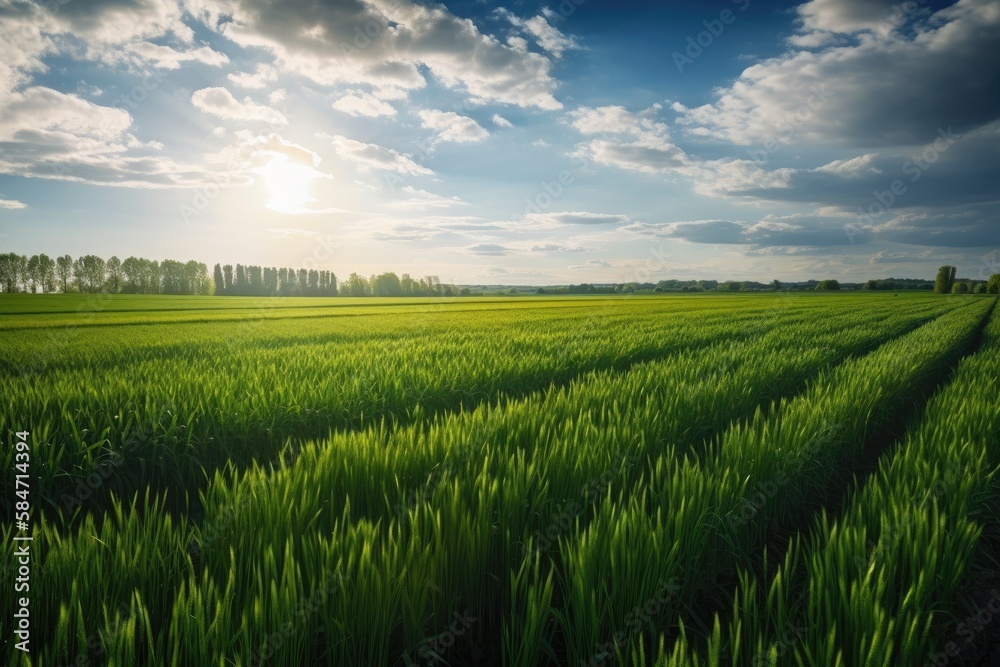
x: 152, y: 277
x: 134, y: 273
x: 89, y: 272
x: 776, y: 284
x: 993, y: 286
x: 113, y: 273
x: 240, y: 285
x: 408, y: 285
x: 220, y: 281
x: 960, y: 288
x: 47, y: 273
x: 34, y: 278
x: 828, y: 285
x: 255, y: 280
x: 64, y: 271
x: 387, y: 284
x: 357, y: 285
x: 197, y: 280
x: 467, y: 292
x: 980, y: 288
x: 945, y: 280
x: 12, y: 268
x: 172, y: 273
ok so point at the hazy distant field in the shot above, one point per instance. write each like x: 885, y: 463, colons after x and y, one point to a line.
x: 499, y: 481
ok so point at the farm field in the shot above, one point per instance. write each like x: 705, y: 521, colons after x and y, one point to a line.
x: 759, y: 479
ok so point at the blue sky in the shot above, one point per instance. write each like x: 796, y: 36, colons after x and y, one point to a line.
x: 525, y: 143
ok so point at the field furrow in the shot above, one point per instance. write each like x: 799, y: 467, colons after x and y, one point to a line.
x: 244, y: 399
x: 452, y: 518
x: 866, y: 588
x: 697, y: 521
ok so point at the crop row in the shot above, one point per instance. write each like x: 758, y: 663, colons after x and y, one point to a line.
x: 129, y: 412
x: 866, y: 588
x: 366, y: 546
x: 697, y: 520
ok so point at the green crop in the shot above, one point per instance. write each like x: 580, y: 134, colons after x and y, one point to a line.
x: 531, y: 482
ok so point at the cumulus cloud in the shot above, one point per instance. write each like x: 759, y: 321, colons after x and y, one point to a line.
x: 452, y: 127
x: 593, y: 264
x: 852, y: 16
x: 12, y: 204
x: 164, y: 57
x: 488, y: 249
x: 260, y: 78
x: 500, y: 121
x: 220, y: 102
x: 360, y: 103
x: 373, y: 156
x: 555, y: 247
x: 890, y: 88
x: 384, y: 43
x: 253, y: 150
x: 421, y: 200
x: 575, y: 218
x: 547, y: 36
x: 48, y: 134
x: 634, y: 141
x: 697, y: 231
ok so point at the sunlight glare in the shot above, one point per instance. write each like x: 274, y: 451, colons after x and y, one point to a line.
x: 287, y: 183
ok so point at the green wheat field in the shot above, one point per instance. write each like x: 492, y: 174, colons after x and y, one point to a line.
x: 764, y: 479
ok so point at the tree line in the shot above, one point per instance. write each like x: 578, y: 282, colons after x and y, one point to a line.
x: 271, y: 281
x: 136, y: 275
x: 41, y: 274
x: 240, y: 280
x: 946, y: 283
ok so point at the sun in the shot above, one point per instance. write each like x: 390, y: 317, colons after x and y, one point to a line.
x: 287, y: 184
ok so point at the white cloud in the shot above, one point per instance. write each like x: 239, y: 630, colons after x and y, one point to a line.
x: 260, y: 78
x: 888, y: 87
x: 421, y: 200
x: 576, y: 218
x: 500, y: 121
x: 389, y: 42
x: 593, y: 264
x: 105, y: 23
x: 220, y: 102
x: 24, y: 40
x: 488, y: 249
x: 637, y: 142
x: 452, y: 127
x: 12, y: 204
x: 84, y: 88
x: 546, y: 36
x: 851, y: 16
x: 164, y: 57
x: 374, y: 156
x: 360, y: 103
x: 52, y: 135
